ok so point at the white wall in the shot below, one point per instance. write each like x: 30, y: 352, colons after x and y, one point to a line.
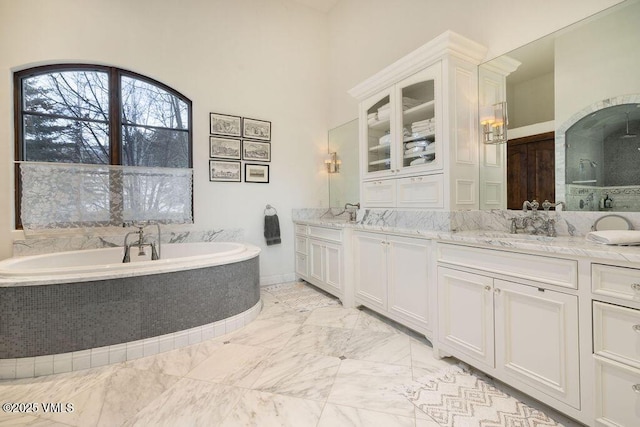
x: 366, y: 35
x: 531, y: 101
x: 263, y: 59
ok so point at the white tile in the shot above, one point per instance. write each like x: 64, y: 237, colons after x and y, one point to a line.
x: 25, y: 367
x: 165, y: 343
x: 208, y: 332
x: 7, y: 369
x: 62, y: 363
x: 99, y: 356
x: 180, y: 339
x: 43, y: 365
x: 135, y: 349
x: 81, y: 360
x: 220, y: 328
x: 195, y: 335
x: 118, y: 353
x: 150, y: 346
x: 232, y: 324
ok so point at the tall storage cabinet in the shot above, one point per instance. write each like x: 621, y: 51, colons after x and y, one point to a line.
x: 418, y: 128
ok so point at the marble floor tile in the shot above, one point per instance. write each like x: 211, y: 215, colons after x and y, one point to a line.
x: 190, y: 403
x: 370, y: 321
x: 233, y: 364
x: 116, y: 399
x: 262, y: 333
x: 307, y: 376
x: 334, y: 316
x: 372, y: 385
x: 261, y: 409
x: 20, y: 420
x: 423, y: 362
x: 346, y: 416
x: 379, y: 347
x: 322, y: 340
x: 282, y: 313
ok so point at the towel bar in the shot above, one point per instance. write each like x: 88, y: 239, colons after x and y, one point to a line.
x: 269, y: 208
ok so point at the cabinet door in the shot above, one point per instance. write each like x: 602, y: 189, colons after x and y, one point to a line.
x: 370, y: 270
x: 407, y: 279
x: 376, y: 127
x: 418, y: 143
x: 316, y: 260
x: 421, y: 192
x: 379, y: 194
x: 465, y: 314
x: 537, y: 339
x: 333, y: 268
x: 617, y: 388
x: 301, y: 265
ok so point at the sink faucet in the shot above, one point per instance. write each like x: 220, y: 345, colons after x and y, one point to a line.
x: 141, y: 242
x: 352, y: 212
x: 533, y: 205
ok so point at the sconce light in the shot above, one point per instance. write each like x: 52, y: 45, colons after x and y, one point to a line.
x: 332, y: 163
x: 493, y: 119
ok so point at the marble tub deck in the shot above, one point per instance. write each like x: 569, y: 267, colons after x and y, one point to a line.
x: 305, y: 361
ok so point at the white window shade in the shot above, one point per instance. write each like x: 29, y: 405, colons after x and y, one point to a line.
x: 62, y: 195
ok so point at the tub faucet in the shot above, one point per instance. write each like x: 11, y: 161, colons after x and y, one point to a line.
x: 141, y: 243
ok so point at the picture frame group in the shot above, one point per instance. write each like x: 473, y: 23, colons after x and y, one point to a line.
x: 235, y: 140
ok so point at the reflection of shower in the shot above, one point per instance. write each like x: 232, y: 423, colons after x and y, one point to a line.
x: 591, y: 162
x: 627, y: 134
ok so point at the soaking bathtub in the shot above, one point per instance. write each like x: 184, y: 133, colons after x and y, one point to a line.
x: 79, y: 309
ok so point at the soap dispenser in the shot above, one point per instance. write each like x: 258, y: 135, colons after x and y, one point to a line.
x: 607, y: 202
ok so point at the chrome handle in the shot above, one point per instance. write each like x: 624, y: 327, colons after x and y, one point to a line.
x: 636, y: 388
x: 636, y: 328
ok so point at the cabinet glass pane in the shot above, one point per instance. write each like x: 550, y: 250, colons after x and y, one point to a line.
x: 379, y: 136
x: 418, y: 124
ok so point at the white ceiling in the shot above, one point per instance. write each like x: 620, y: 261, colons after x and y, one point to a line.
x: 321, y: 5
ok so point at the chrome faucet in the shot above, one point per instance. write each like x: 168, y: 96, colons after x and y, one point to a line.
x: 141, y: 242
x: 352, y: 213
x: 533, y: 205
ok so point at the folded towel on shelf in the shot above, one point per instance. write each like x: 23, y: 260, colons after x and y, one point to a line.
x: 384, y: 115
x: 615, y: 237
x: 385, y: 140
x: 272, y: 229
x: 419, y: 143
x: 408, y: 103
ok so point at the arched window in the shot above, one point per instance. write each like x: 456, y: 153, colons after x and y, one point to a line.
x: 80, y: 115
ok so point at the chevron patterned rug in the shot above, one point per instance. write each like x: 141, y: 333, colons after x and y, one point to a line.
x: 457, y: 398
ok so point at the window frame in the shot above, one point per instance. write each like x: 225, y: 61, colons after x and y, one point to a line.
x: 115, y: 122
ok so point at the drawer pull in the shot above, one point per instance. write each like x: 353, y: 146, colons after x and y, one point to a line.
x: 487, y: 288
x: 635, y: 287
x: 636, y: 328
x: 497, y: 291
x: 636, y: 388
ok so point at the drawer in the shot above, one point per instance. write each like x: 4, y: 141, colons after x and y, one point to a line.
x: 379, y: 194
x: 554, y: 271
x: 301, y: 229
x: 326, y: 233
x: 616, y: 333
x: 421, y: 192
x: 618, y: 394
x: 301, y: 244
x: 614, y: 281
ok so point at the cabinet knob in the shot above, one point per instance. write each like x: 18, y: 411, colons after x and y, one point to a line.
x: 636, y: 328
x: 497, y: 291
x: 636, y: 388
x: 635, y: 287
x: 487, y: 288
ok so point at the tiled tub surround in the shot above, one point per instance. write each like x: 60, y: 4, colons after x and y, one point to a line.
x: 42, y: 318
x: 47, y: 241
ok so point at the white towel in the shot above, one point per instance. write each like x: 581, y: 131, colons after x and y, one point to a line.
x: 615, y: 237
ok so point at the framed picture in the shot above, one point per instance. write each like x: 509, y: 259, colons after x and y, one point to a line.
x: 258, y: 151
x: 222, y: 124
x: 224, y: 148
x: 256, y: 129
x: 224, y: 171
x: 256, y: 173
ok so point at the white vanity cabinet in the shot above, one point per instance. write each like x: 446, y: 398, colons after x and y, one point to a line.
x: 319, y: 257
x: 391, y: 276
x: 418, y: 119
x: 616, y: 344
x: 522, y: 331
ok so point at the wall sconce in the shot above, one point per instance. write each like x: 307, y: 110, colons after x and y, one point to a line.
x: 493, y: 119
x: 332, y: 163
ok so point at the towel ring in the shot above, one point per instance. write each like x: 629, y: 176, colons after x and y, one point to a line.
x: 269, y: 208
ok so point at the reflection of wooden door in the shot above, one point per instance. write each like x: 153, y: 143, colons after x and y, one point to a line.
x: 531, y: 169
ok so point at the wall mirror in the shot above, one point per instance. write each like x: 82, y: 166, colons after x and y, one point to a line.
x: 344, y: 182
x: 582, y: 84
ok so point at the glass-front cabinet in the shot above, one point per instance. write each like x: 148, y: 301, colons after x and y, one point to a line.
x: 402, y: 126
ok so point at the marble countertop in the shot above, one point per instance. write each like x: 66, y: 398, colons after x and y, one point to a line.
x: 561, y: 245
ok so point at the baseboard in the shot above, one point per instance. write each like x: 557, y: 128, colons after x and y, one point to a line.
x: 278, y: 278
